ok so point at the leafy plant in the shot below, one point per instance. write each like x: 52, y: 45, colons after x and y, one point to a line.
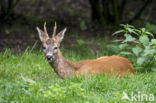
x: 139, y: 44
x: 151, y: 27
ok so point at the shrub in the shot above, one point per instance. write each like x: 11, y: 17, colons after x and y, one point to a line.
x: 139, y: 44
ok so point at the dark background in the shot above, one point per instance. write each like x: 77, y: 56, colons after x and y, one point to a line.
x: 83, y: 18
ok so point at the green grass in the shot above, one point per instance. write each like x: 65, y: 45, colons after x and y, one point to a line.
x: 28, y: 78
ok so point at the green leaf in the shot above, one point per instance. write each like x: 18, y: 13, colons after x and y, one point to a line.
x: 143, y: 30
x: 130, y: 30
x: 151, y: 27
x: 153, y: 69
x: 153, y: 42
x: 129, y: 38
x: 149, y: 33
x: 128, y: 26
x: 116, y: 41
x: 122, y: 46
x: 141, y: 60
x: 149, y: 52
x: 117, y: 32
x: 137, y: 50
x: 138, y: 31
x: 135, y: 32
x: 122, y: 25
x: 125, y: 53
x: 113, y: 48
x: 144, y: 40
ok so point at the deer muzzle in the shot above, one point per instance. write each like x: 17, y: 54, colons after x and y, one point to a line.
x: 49, y: 58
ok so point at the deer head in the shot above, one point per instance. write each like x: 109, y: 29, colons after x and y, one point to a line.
x: 51, y: 44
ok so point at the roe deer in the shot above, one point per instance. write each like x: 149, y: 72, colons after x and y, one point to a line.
x: 66, y: 69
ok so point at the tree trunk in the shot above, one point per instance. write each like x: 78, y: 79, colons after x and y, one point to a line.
x: 138, y: 14
x: 7, y: 9
x: 115, y: 10
x: 96, y: 11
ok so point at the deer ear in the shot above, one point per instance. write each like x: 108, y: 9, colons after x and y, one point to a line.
x: 59, y: 37
x: 43, y: 36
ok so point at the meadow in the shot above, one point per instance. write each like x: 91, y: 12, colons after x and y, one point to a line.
x: 28, y: 78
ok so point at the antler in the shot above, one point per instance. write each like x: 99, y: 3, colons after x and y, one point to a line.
x: 54, y: 30
x: 45, y: 29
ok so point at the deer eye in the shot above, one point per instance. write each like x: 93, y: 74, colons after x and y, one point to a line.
x: 55, y: 48
x: 44, y: 47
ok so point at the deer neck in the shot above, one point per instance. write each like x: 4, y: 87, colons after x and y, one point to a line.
x: 63, y: 67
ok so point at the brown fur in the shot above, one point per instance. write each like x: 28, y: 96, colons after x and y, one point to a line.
x: 111, y: 64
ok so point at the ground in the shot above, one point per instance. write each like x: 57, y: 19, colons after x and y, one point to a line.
x: 28, y: 77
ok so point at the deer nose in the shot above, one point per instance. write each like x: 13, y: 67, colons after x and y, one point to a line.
x: 49, y: 58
